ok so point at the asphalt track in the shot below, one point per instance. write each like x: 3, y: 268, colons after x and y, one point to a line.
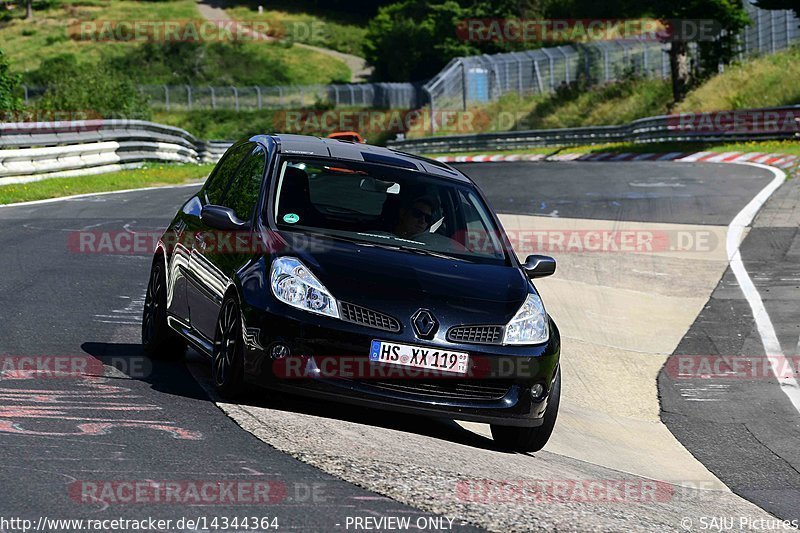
x: 161, y: 423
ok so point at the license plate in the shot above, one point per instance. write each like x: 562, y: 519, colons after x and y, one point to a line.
x: 419, y: 357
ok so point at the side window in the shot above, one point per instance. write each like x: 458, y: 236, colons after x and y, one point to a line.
x: 223, y: 172
x: 242, y: 195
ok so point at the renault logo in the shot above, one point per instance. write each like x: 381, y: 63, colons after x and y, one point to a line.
x: 425, y: 324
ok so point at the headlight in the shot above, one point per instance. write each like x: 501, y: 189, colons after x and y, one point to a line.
x: 529, y: 325
x: 295, y: 285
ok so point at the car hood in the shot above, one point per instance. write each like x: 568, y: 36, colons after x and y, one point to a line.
x: 401, y: 282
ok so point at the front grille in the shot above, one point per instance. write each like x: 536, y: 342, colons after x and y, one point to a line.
x: 476, y: 334
x: 447, y: 388
x: 368, y: 317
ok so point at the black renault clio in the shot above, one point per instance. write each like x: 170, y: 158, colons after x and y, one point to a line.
x: 358, y: 274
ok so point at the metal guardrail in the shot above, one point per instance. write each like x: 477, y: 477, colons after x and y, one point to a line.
x: 741, y: 125
x: 31, y: 151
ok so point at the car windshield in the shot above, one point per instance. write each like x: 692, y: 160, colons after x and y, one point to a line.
x: 387, y: 206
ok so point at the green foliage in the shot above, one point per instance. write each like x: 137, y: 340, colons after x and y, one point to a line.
x: 28, y: 43
x: 215, y: 63
x: 99, y: 90
x: 412, y: 40
x: 53, y: 68
x: 8, y: 85
x: 219, y: 124
x: 759, y: 82
x: 345, y: 8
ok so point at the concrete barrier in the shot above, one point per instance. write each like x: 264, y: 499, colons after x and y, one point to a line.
x: 31, y: 151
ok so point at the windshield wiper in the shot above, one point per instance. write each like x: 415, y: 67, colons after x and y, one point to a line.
x: 422, y: 251
x: 389, y: 236
x: 419, y: 251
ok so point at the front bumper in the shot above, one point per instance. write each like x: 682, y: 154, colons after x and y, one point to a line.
x: 495, y: 391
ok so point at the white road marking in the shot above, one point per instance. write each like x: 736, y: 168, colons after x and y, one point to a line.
x: 655, y: 184
x: 769, y: 339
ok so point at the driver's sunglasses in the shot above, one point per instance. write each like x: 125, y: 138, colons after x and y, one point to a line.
x: 422, y: 214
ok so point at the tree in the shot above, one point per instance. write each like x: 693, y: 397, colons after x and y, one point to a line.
x: 727, y: 15
x: 412, y: 40
x: 8, y: 84
x: 28, y: 9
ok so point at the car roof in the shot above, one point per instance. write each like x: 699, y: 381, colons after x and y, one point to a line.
x: 350, y: 151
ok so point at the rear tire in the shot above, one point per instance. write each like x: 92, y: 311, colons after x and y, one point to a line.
x: 227, y: 374
x: 158, y: 339
x: 531, y: 439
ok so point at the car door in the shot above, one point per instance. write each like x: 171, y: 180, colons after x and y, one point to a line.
x: 211, y: 193
x: 217, y: 254
x: 180, y: 235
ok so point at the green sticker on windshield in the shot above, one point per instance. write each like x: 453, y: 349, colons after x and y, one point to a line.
x: 291, y: 218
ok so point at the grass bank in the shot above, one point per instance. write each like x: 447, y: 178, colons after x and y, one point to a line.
x: 323, y: 28
x: 54, y: 33
x: 767, y: 81
x: 147, y: 176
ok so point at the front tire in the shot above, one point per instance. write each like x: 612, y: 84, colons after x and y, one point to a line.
x: 531, y: 439
x: 158, y: 339
x: 227, y: 373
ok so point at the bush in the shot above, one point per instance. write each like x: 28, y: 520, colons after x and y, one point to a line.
x: 218, y: 63
x: 95, y: 90
x: 411, y: 40
x: 53, y: 68
x: 220, y: 124
x: 8, y: 84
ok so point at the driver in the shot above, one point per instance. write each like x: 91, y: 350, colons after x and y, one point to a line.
x: 415, y: 217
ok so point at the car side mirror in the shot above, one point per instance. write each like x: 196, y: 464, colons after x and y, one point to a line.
x: 223, y: 218
x: 539, y: 266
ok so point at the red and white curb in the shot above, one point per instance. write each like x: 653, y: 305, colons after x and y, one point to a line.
x: 782, y: 161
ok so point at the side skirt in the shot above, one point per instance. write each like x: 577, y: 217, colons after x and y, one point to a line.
x: 198, y: 341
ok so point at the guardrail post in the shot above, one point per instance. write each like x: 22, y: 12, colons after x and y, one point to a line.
x: 552, y: 70
x: 644, y: 58
x: 464, y: 87
x: 189, y: 97
x: 566, y: 64
x: 280, y: 96
x: 772, y: 14
x: 213, y: 97
x: 166, y: 96
x: 235, y: 97
x: 258, y: 95
x: 431, y: 115
x: 760, y: 45
x: 587, y: 65
x: 538, y: 76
